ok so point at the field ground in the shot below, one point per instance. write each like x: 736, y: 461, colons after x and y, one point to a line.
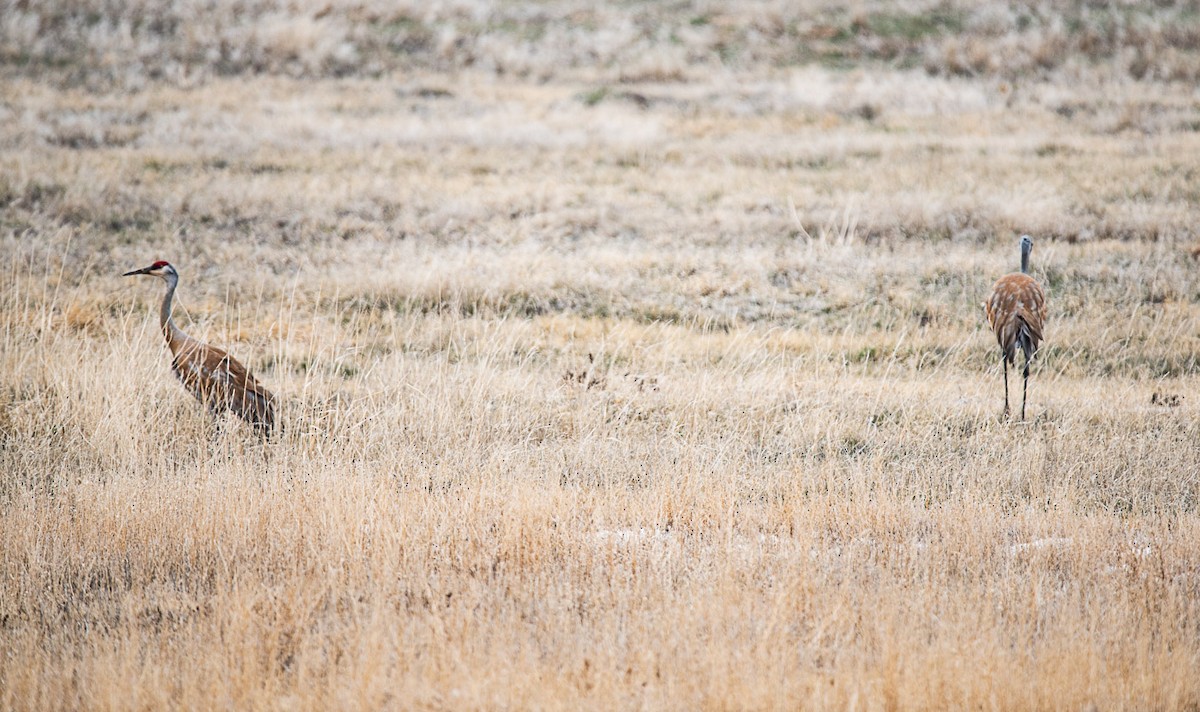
x: 604, y: 390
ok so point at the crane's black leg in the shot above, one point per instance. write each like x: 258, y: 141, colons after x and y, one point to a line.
x: 1004, y: 361
x: 1025, y: 388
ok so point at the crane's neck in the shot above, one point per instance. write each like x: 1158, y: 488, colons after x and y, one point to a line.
x: 173, y: 333
x: 1025, y: 259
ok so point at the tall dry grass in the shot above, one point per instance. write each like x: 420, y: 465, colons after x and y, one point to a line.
x: 600, y: 395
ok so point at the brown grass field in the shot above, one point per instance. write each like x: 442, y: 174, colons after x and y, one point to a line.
x: 630, y: 357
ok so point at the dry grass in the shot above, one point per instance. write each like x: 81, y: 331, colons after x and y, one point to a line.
x: 600, y: 393
x: 132, y: 42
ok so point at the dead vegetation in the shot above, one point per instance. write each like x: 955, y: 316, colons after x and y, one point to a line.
x: 133, y: 42
x: 604, y: 384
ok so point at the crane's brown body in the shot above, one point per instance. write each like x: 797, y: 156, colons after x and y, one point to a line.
x: 215, y: 378
x: 1016, y: 312
x: 221, y: 382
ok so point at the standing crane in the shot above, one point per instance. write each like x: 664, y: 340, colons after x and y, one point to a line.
x: 215, y: 378
x: 1016, y: 311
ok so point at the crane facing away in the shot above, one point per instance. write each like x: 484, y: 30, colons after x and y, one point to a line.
x: 215, y: 378
x: 1016, y: 311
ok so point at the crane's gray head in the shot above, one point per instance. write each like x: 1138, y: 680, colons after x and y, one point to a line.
x: 1026, y: 243
x: 161, y: 269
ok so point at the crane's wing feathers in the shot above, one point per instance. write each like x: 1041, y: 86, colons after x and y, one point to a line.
x: 1031, y: 308
x: 221, y: 382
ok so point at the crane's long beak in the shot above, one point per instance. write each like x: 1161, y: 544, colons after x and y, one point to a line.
x: 144, y: 270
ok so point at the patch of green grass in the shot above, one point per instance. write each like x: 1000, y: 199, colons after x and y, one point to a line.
x: 915, y: 27
x: 864, y: 355
x: 593, y: 96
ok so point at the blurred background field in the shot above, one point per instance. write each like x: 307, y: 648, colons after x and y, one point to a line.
x: 132, y: 42
x: 629, y: 355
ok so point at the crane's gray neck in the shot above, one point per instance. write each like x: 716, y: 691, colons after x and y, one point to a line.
x: 1026, y: 248
x: 172, y: 332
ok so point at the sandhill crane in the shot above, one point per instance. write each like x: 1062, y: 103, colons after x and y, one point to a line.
x: 1016, y: 311
x: 215, y: 378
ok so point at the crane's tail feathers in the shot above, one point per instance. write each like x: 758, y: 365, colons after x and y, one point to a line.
x: 256, y: 407
x: 1027, y: 339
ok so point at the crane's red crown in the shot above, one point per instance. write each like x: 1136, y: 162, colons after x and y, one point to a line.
x: 160, y: 263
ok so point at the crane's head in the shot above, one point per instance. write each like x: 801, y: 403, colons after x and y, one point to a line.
x: 161, y: 269
x: 1026, y: 243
